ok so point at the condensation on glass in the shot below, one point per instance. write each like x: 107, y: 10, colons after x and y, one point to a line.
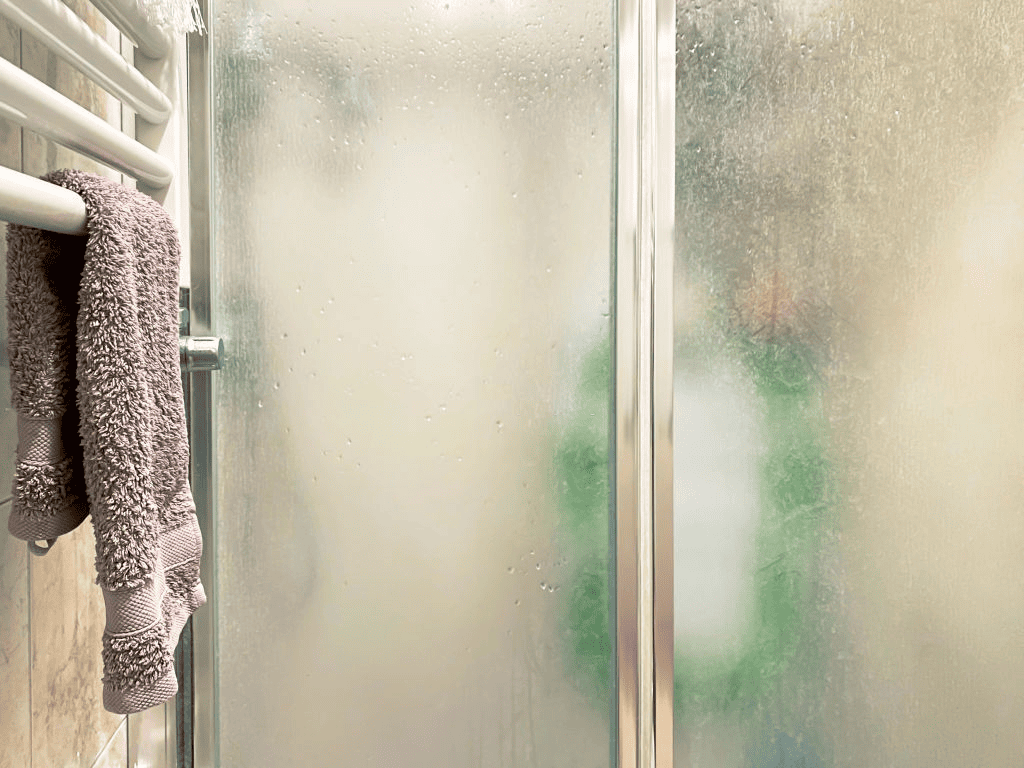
x: 849, y: 468
x: 412, y: 238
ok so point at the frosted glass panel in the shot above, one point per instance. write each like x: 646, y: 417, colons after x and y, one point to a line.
x: 849, y: 587
x: 412, y: 245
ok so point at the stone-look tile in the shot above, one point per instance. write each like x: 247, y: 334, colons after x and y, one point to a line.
x: 41, y: 155
x: 69, y: 725
x: 15, y: 751
x: 10, y: 36
x: 115, y: 754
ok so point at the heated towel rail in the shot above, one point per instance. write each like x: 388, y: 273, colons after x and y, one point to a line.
x: 41, y: 109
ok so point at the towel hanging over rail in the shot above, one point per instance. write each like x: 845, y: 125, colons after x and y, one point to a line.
x: 96, y: 385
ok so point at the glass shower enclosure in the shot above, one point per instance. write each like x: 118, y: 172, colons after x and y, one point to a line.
x: 412, y: 236
x: 611, y: 384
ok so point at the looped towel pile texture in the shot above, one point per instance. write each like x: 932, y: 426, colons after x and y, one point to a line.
x: 96, y: 385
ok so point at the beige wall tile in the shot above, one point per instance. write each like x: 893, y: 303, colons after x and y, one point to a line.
x: 69, y: 725
x: 14, y: 649
x: 115, y: 754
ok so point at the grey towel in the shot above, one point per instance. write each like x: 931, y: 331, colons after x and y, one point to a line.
x: 96, y: 384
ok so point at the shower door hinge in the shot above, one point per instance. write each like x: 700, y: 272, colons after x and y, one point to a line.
x: 197, y: 353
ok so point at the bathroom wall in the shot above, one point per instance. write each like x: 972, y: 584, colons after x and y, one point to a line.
x: 51, y: 611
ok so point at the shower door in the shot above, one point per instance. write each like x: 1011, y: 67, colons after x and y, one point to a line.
x: 412, y: 261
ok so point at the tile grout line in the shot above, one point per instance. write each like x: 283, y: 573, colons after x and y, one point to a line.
x: 106, y: 745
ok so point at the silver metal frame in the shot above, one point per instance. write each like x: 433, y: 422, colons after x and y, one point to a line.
x: 202, y: 414
x: 662, y: 185
x: 629, y: 481
x: 643, y: 380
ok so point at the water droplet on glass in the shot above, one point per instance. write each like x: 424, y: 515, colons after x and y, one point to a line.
x: 511, y: 569
x: 259, y: 403
x: 517, y: 603
x: 277, y: 385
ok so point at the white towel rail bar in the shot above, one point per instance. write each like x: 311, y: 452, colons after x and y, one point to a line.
x: 41, y: 109
x: 27, y: 200
x: 126, y: 16
x: 69, y: 37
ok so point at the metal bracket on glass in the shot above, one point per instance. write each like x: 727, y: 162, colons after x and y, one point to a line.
x: 200, y: 353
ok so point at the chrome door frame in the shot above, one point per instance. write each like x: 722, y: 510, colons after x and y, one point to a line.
x: 202, y: 415
x: 645, y: 208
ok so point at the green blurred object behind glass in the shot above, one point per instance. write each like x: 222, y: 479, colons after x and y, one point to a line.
x: 848, y: 258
